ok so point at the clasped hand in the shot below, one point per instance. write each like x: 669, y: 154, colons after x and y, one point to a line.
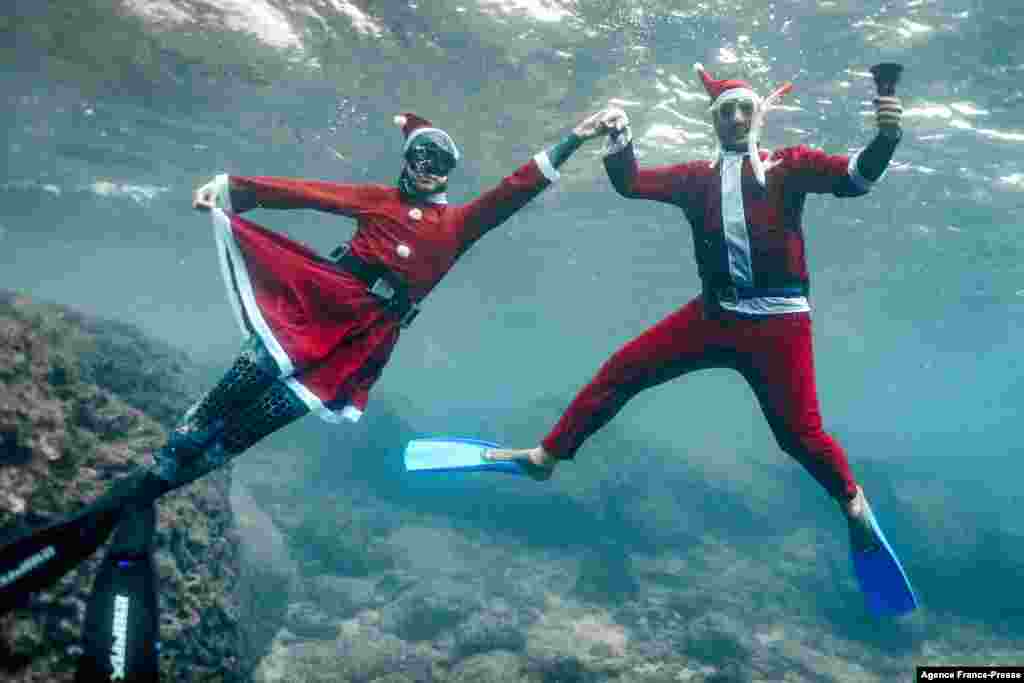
x: 609, y: 120
x: 205, y: 197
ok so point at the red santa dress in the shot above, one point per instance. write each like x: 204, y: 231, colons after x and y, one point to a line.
x: 330, y: 337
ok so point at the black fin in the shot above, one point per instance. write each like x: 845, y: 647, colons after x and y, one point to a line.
x: 39, y: 558
x: 122, y: 624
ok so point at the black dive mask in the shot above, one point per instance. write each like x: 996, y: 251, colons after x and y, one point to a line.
x: 428, y: 158
x: 431, y: 154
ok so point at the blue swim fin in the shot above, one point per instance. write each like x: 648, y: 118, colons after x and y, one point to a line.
x: 885, y: 585
x: 454, y: 455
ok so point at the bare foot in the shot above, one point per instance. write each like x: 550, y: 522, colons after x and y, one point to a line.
x: 539, y: 465
x: 862, y: 534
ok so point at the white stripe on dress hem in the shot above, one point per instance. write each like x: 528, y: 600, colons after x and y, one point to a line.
x: 244, y: 299
x: 315, y: 405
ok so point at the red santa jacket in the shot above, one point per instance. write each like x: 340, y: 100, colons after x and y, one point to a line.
x: 435, y: 234
x: 773, y: 246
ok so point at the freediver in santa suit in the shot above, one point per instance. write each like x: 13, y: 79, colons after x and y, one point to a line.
x: 744, y: 208
x: 318, y: 331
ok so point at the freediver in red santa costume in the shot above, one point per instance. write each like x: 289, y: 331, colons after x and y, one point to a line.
x: 319, y: 331
x: 753, y: 315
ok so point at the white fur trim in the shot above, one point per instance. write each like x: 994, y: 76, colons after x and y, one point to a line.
x: 734, y: 220
x: 233, y: 264
x: 400, y: 120
x: 736, y: 94
x: 755, y: 161
x: 316, y: 406
x: 420, y: 131
x: 224, y: 192
x: 859, y: 180
x: 545, y: 166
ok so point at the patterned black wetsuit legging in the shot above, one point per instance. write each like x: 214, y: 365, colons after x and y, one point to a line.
x: 250, y: 402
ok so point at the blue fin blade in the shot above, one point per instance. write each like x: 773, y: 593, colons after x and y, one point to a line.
x: 885, y: 585
x: 454, y: 455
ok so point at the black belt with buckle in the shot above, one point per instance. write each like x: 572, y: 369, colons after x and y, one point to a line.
x: 731, y: 294
x: 380, y: 281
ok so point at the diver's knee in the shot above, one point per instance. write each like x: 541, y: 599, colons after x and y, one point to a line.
x: 276, y: 407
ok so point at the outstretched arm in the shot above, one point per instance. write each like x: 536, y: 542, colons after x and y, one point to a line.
x: 494, y: 207
x: 241, y: 193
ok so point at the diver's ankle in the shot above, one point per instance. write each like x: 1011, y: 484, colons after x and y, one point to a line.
x: 542, y: 458
x: 853, y: 508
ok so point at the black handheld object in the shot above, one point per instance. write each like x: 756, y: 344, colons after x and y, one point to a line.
x: 122, y: 625
x: 887, y: 75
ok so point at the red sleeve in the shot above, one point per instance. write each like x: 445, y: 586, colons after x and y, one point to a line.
x: 250, y: 192
x: 814, y: 171
x: 671, y: 184
x: 497, y: 205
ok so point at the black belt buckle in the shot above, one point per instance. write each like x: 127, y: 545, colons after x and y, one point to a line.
x: 409, y: 316
x: 339, y: 252
x: 729, y: 295
x: 382, y: 289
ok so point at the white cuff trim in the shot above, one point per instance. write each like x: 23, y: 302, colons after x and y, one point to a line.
x: 616, y: 144
x: 859, y: 180
x: 545, y: 166
x: 222, y: 187
x: 734, y: 94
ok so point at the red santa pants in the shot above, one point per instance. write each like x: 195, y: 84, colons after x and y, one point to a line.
x: 773, y: 353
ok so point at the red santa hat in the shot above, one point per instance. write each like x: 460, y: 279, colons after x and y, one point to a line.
x: 725, y: 90
x: 731, y: 90
x: 414, y: 126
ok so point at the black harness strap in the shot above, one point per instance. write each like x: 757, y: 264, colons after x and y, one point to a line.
x: 380, y: 281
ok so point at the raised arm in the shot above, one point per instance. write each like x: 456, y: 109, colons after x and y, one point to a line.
x: 660, y: 183
x: 494, y: 207
x: 241, y: 193
x: 815, y: 171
